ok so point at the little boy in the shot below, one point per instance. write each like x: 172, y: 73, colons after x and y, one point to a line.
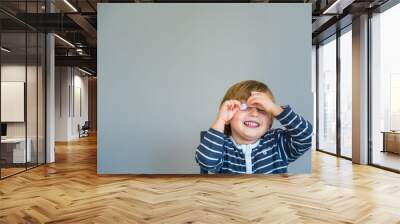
x: 241, y: 140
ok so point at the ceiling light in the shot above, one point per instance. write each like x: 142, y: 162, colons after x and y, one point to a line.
x: 329, y: 9
x: 70, y: 5
x: 84, y: 71
x: 5, y: 50
x: 65, y: 41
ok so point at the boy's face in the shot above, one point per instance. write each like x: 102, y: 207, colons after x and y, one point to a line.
x: 250, y: 124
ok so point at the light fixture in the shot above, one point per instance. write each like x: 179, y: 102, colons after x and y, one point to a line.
x: 5, y: 50
x: 329, y: 9
x: 70, y: 5
x: 64, y: 40
x: 84, y: 71
x: 79, y: 51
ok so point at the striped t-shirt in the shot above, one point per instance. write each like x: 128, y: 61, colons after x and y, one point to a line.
x: 276, y: 149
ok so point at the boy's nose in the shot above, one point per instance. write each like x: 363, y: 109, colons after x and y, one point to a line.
x: 253, y: 111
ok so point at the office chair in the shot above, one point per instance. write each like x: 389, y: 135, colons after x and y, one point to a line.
x: 84, y: 130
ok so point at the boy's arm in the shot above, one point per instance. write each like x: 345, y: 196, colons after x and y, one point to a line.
x: 297, y: 138
x: 209, y: 154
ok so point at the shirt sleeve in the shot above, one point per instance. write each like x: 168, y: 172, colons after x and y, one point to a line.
x: 210, y: 153
x: 296, y: 138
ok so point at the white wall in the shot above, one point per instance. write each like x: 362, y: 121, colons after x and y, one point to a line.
x: 12, y: 73
x: 79, y: 117
x: 33, y: 127
x: 67, y: 115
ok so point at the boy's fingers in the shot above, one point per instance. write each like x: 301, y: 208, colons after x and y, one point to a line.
x: 253, y: 97
x: 254, y: 93
x: 236, y: 102
x: 232, y: 103
x: 227, y: 103
x: 257, y: 93
x: 251, y: 100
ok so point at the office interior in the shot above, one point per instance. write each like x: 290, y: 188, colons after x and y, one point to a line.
x: 49, y: 93
x: 28, y: 55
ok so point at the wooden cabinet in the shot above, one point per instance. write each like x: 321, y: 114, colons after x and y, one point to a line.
x: 391, y: 141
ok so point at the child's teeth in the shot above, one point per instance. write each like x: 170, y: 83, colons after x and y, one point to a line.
x: 251, y: 124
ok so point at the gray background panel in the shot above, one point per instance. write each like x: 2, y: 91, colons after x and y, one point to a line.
x: 163, y: 69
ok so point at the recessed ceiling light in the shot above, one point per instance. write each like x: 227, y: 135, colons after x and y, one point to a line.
x: 5, y: 50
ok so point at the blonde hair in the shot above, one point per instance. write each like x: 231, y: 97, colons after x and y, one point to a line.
x: 242, y: 91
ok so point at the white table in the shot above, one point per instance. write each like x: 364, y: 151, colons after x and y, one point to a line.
x: 19, y: 155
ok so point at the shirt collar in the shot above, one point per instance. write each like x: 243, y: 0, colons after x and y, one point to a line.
x: 245, y: 146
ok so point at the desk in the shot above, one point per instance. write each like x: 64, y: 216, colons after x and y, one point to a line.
x: 391, y: 141
x: 15, y: 148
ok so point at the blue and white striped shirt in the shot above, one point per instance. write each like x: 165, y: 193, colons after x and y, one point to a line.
x: 277, y: 148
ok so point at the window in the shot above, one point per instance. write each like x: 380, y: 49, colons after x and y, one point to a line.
x: 327, y: 96
x: 346, y: 93
x: 385, y: 89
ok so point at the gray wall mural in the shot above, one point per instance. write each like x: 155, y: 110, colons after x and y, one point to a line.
x: 164, y: 68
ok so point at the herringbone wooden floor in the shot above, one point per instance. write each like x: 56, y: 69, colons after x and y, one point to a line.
x: 70, y: 191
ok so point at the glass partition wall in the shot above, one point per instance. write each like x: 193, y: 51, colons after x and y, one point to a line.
x: 327, y: 95
x: 346, y: 95
x: 334, y: 126
x: 22, y: 98
x: 385, y: 90
x: 334, y: 94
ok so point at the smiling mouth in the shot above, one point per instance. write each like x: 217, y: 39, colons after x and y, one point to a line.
x: 251, y: 124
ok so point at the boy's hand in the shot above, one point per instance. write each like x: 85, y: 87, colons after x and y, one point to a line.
x: 264, y: 101
x: 225, y: 114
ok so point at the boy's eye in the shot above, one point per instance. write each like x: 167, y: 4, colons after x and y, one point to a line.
x: 261, y: 111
